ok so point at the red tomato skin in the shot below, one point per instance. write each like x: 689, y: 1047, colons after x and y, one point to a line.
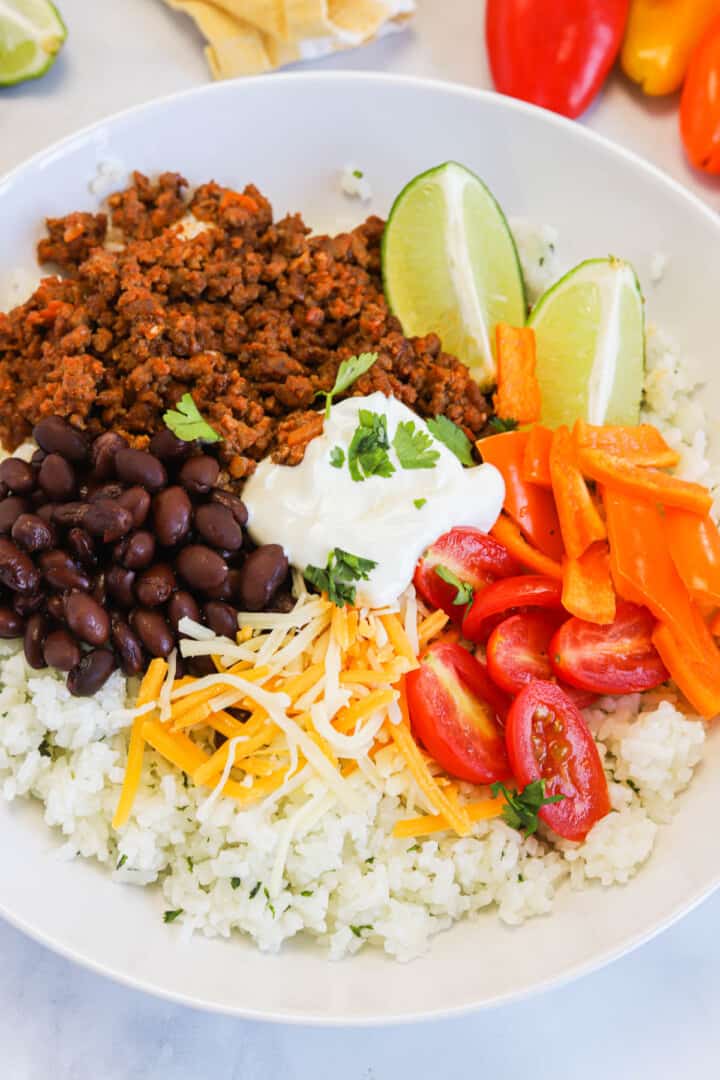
x: 450, y: 722
x: 554, y: 53
x: 506, y: 596
x: 579, y: 776
x: 518, y: 651
x: 618, y: 658
x: 700, y: 103
x: 472, y: 555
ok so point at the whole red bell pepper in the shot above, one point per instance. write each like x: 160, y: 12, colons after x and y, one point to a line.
x: 700, y: 103
x: 554, y: 53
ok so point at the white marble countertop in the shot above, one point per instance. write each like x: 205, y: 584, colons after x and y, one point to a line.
x: 653, y: 1013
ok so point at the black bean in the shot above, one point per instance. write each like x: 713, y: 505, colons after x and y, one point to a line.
x: 32, y: 533
x: 38, y: 457
x: 128, y: 646
x: 221, y: 618
x: 57, y: 477
x: 91, y: 673
x: 108, y: 519
x: 11, y: 624
x: 182, y: 605
x: 62, y: 572
x: 155, y: 585
x: 119, y: 583
x: 201, y: 567
x: 61, y: 650
x: 137, y: 550
x: 55, y: 606
x: 82, y: 547
x: 35, y: 633
x: 262, y: 574
x: 166, y: 446
x: 153, y: 631
x: 172, y: 514
x: 87, y: 619
x: 200, y: 665
x: 10, y: 510
x: 217, y: 525
x: 137, y: 501
x: 282, y: 602
x: 232, y: 503
x: 55, y: 436
x: 139, y: 467
x: 97, y: 492
x: 99, y: 588
x: 229, y: 589
x: 17, y: 571
x: 17, y: 475
x: 199, y: 474
x: 46, y: 511
x: 69, y: 513
x: 103, y: 451
x: 28, y: 603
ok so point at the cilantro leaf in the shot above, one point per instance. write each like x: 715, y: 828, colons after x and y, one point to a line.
x: 414, y: 447
x: 368, y: 451
x: 336, y: 579
x: 306, y: 892
x: 255, y: 890
x: 465, y: 591
x: 121, y: 862
x: 337, y: 457
x: 358, y: 174
x: 187, y: 424
x: 235, y: 882
x: 419, y: 503
x: 521, y: 811
x: 453, y: 437
x: 349, y: 370
x: 357, y: 930
x: 499, y: 424
x: 171, y: 916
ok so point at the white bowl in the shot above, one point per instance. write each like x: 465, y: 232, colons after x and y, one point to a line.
x: 292, y: 134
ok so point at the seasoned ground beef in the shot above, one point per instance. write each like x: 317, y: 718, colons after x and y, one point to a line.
x: 249, y: 315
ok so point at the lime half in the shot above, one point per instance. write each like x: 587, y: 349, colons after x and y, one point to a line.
x: 31, y: 34
x: 590, y: 335
x: 450, y: 265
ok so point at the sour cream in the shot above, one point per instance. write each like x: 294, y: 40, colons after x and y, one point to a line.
x: 314, y: 507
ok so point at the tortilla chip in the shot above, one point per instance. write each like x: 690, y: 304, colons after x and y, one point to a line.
x: 269, y: 16
x: 234, y: 48
x: 359, y: 19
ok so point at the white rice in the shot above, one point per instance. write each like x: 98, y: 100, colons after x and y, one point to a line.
x: 355, y: 184
x: 308, y: 865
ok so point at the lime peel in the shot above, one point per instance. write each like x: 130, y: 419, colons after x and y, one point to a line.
x: 31, y: 35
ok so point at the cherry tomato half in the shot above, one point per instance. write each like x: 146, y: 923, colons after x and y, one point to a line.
x: 454, y: 713
x: 506, y: 596
x: 619, y: 658
x: 518, y: 652
x: 472, y: 555
x: 548, y: 739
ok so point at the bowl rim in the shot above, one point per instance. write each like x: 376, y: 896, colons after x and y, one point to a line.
x: 494, y: 100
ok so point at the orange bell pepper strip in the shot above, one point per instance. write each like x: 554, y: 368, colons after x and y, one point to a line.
x: 641, y: 445
x: 507, y: 532
x: 695, y: 549
x: 518, y: 391
x: 536, y: 460
x: 580, y: 522
x: 699, y: 680
x: 715, y: 624
x: 588, y: 590
x: 642, y: 568
x: 650, y: 485
x: 660, y: 38
x: 532, y: 507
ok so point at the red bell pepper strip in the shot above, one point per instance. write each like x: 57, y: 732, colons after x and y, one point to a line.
x: 700, y: 103
x: 554, y: 53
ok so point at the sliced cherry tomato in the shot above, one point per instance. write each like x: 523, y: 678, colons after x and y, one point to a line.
x: 473, y: 556
x: 507, y: 596
x: 618, y: 658
x: 548, y: 739
x: 518, y: 652
x: 454, y: 712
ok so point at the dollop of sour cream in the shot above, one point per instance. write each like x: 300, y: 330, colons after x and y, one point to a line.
x: 314, y: 507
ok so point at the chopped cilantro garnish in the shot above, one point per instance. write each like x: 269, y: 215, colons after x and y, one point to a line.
x: 44, y: 748
x: 419, y: 503
x: 190, y: 863
x: 465, y: 591
x: 349, y: 370
x: 187, y: 424
x: 415, y: 847
x: 370, y: 860
x: 368, y: 451
x: 414, y: 447
x: 268, y: 901
x: 171, y: 916
x: 255, y: 890
x: 337, y: 457
x: 453, y: 437
x: 357, y: 930
x: 342, y: 569
x: 521, y: 811
x: 632, y: 785
x: 499, y: 424
x: 306, y: 892
x: 121, y: 862
x: 235, y: 882
x: 358, y: 174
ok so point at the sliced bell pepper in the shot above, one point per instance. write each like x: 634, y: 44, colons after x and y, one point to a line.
x: 715, y: 624
x: 536, y: 460
x: 698, y: 679
x: 648, y: 485
x: 695, y: 549
x: 518, y: 391
x: 580, y: 522
x: 587, y: 586
x: 659, y: 40
x: 700, y: 103
x: 532, y: 507
x: 507, y: 532
x: 641, y: 444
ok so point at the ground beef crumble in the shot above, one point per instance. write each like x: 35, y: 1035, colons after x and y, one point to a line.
x: 250, y: 315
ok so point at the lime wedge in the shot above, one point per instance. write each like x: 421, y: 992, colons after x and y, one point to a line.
x: 450, y: 265
x: 31, y: 34
x: 591, y: 345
